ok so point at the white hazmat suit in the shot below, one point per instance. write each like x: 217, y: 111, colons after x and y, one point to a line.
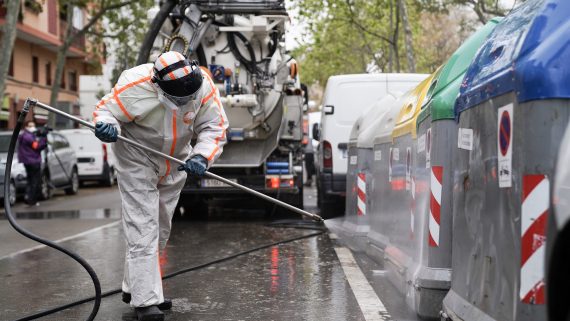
x: 150, y: 185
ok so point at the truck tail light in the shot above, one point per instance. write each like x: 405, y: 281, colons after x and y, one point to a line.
x: 275, y: 182
x: 327, y: 155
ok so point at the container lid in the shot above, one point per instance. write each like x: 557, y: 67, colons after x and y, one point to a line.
x: 355, y: 130
x: 406, y: 120
x: 385, y: 124
x: 452, y: 73
x: 369, y: 114
x: 528, y: 53
x: 368, y: 128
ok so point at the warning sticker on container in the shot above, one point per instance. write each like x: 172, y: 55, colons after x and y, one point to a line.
x: 408, y: 168
x: 465, y: 138
x: 505, y: 145
x: 421, y: 143
x: 353, y: 160
x: 428, y: 148
x: 390, y: 162
x: 378, y: 155
x: 396, y: 154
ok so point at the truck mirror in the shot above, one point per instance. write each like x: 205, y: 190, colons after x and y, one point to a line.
x: 316, y: 134
x: 329, y: 110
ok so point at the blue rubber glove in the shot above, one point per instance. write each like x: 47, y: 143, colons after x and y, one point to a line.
x: 196, y: 165
x: 106, y: 132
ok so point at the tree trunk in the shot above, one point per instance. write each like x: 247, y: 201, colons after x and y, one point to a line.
x: 407, y: 37
x: 8, y: 39
x: 60, y: 60
x: 395, y: 37
x: 391, y: 54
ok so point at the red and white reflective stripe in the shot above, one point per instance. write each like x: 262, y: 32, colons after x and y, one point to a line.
x: 361, y: 190
x: 534, y: 215
x: 435, y: 205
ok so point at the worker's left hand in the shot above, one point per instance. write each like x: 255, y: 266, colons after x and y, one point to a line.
x: 106, y: 132
x: 196, y: 165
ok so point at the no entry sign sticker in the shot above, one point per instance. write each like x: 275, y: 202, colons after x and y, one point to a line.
x: 505, y: 145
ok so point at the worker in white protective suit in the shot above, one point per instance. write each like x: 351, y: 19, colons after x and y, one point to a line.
x: 159, y: 106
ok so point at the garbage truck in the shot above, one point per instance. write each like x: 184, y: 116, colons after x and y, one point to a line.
x: 240, y: 44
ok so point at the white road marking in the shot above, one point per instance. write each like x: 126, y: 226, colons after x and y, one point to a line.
x: 333, y: 236
x: 370, y: 304
x: 67, y: 238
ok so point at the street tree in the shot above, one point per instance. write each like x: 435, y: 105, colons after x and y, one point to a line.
x: 107, y: 19
x: 8, y: 39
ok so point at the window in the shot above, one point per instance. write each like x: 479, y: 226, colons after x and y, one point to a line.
x: 59, y: 142
x: 48, y: 74
x: 11, y: 68
x: 72, y: 80
x: 35, y: 70
x: 52, y: 17
x: 62, y: 84
x: 77, y: 18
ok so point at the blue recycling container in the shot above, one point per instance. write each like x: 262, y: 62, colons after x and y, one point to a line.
x: 512, y: 112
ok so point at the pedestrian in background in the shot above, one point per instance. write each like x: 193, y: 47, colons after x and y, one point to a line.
x: 309, y: 162
x: 30, y: 146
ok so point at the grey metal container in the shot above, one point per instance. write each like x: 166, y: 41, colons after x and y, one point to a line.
x: 513, y: 111
x: 558, y: 279
x: 360, y: 161
x: 433, y: 199
x: 433, y: 180
x: 390, y: 233
x: 394, y: 234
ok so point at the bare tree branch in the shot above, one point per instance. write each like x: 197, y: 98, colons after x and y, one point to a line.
x: 359, y: 26
x: 95, y: 18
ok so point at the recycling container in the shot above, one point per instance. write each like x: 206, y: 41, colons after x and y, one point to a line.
x: 356, y: 224
x: 389, y: 221
x: 512, y: 112
x: 430, y: 277
x: 558, y: 279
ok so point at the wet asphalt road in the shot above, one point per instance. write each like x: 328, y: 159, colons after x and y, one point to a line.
x: 299, y: 280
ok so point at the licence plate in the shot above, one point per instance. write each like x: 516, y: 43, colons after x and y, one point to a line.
x: 215, y: 183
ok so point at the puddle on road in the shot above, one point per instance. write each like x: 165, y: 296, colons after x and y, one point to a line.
x: 103, y: 213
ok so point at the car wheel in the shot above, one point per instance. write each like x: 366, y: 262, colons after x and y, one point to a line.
x: 74, y: 188
x: 110, y: 177
x: 12, y: 194
x: 46, y: 189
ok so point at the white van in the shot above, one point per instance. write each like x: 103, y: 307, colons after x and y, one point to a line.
x: 95, y: 159
x: 345, y: 98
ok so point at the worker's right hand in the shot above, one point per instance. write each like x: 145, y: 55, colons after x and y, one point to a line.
x: 196, y: 165
x: 106, y: 132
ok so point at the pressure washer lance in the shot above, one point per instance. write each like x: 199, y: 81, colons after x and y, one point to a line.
x: 33, y: 102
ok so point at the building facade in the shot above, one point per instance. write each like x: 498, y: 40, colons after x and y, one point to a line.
x: 40, y: 31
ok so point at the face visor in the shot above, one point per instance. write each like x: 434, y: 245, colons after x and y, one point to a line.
x: 179, y: 101
x: 180, y: 90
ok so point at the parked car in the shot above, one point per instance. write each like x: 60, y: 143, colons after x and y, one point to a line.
x: 12, y: 186
x: 18, y: 170
x: 95, y: 159
x: 345, y: 98
x: 59, y: 168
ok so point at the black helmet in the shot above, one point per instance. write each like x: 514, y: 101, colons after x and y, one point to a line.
x: 176, y: 75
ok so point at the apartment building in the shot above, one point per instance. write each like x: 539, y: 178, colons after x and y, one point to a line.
x: 40, y: 31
